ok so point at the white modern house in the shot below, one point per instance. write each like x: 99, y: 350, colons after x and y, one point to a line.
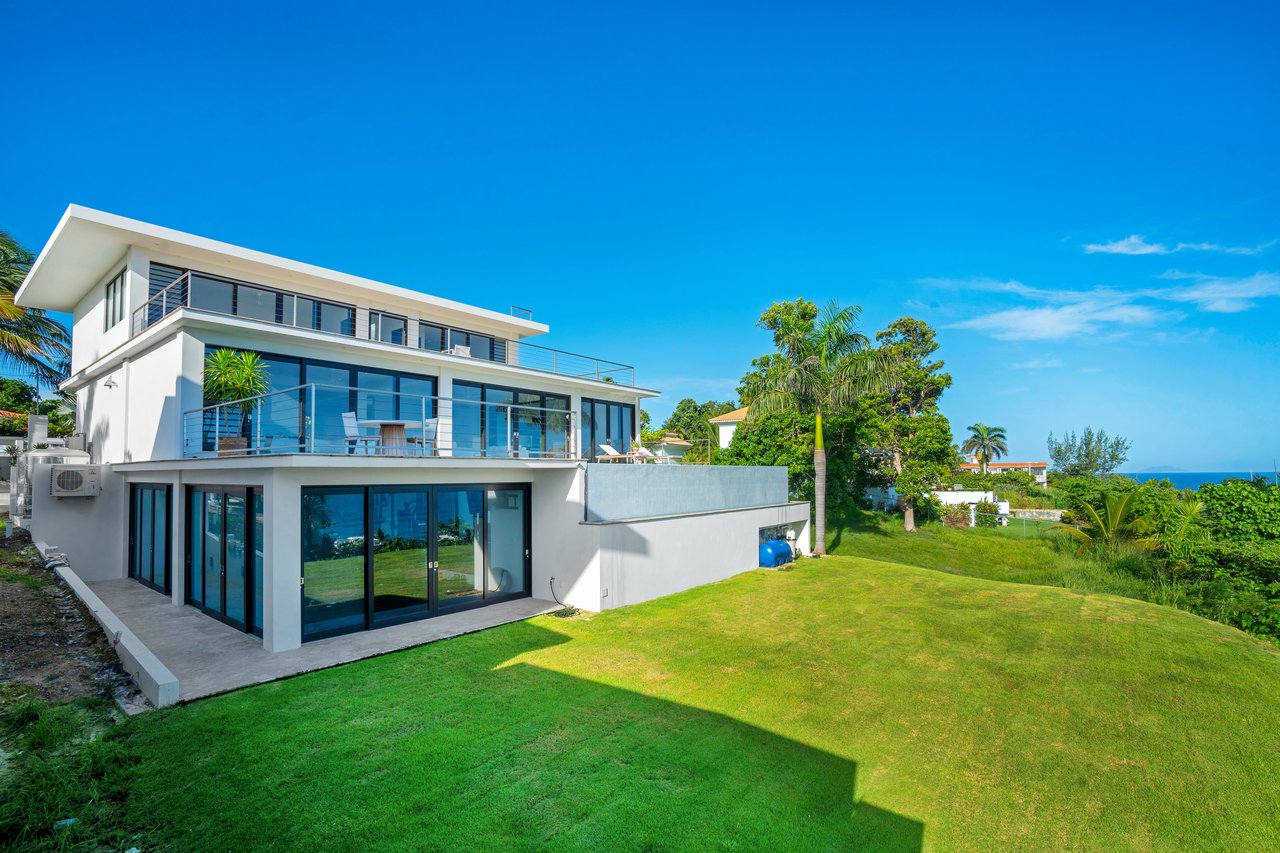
x: 412, y: 457
x: 727, y: 424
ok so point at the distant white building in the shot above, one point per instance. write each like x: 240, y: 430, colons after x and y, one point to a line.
x: 727, y: 424
x: 1039, y: 470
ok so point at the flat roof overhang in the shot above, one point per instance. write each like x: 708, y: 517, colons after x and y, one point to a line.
x: 87, y: 242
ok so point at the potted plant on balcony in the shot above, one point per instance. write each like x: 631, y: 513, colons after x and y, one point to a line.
x: 231, y: 377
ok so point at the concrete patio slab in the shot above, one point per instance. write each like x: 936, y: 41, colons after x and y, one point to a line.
x: 208, y: 657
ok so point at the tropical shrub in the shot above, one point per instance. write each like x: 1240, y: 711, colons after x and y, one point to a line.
x: 988, y: 514
x: 1242, y: 510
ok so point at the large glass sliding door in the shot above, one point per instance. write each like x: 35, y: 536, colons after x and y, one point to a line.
x: 333, y: 561
x: 401, y: 555
x: 608, y: 423
x: 459, y: 538
x: 150, y: 532
x: 381, y: 555
x: 224, y: 554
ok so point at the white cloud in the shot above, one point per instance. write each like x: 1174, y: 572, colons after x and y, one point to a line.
x: 1218, y: 294
x: 1058, y: 322
x: 1136, y: 244
x: 1039, y: 364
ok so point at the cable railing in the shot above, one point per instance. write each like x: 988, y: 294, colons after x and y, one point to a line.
x: 348, y: 421
x: 225, y: 297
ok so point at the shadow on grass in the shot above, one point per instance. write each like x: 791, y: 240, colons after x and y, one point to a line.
x: 452, y: 745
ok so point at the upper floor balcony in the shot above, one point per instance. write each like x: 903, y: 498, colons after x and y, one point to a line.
x: 216, y: 295
x: 345, y: 421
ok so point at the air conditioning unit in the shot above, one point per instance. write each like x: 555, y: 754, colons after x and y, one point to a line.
x: 73, y: 481
x: 459, y: 349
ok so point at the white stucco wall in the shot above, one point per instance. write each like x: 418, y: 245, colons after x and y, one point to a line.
x: 92, y: 532
x: 643, y: 560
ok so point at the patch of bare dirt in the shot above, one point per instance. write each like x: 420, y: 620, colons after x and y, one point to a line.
x: 48, y: 640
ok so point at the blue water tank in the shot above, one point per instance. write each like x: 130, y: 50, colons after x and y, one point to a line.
x: 774, y: 553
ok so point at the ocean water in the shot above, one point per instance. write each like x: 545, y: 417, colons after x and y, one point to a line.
x: 1196, y: 479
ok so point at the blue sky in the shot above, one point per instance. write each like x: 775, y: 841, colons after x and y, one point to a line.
x: 1083, y: 199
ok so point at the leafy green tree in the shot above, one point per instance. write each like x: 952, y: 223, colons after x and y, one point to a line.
x: 17, y: 396
x: 828, y: 365
x: 1177, y: 528
x: 1118, y: 522
x: 987, y: 443
x: 912, y: 439
x: 691, y: 420
x: 30, y: 340
x: 1089, y: 454
x: 787, y: 438
x: 758, y: 379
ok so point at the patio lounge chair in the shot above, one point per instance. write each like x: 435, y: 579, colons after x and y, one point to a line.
x: 356, y: 440
x: 609, y: 454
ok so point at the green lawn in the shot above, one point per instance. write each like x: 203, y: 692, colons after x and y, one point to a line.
x: 848, y: 704
x: 1016, y: 554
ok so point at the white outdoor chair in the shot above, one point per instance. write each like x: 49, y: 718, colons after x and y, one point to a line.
x: 430, y: 427
x: 356, y: 440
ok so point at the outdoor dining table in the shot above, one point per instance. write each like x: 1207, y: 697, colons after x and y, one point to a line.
x: 393, y: 441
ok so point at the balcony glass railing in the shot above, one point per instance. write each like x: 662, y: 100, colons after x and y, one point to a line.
x: 345, y: 421
x: 214, y: 295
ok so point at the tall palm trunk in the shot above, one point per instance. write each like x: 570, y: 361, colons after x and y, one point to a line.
x: 819, y: 489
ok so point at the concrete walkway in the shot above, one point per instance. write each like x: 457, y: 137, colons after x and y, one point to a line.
x: 209, y: 657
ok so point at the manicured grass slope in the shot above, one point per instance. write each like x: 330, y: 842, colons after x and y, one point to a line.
x: 846, y: 704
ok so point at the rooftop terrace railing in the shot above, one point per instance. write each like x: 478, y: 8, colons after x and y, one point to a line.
x: 341, y: 420
x: 226, y: 297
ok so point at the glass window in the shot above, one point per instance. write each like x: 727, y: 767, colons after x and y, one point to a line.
x: 255, y: 303
x: 114, y: 304
x: 498, y: 415
x: 333, y: 552
x: 211, y: 294
x: 257, y: 560
x: 332, y: 398
x: 505, y: 543
x: 400, y: 554
x: 466, y: 419
x: 212, y: 549
x: 386, y: 327
x: 376, y: 397
x: 556, y: 440
x: 606, y: 423
x: 417, y: 397
x: 431, y: 337
x: 338, y: 319
x: 195, y: 545
x: 457, y: 522
x: 234, y: 567
x: 280, y: 426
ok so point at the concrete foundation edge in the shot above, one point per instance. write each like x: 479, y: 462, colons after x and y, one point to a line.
x: 153, y: 678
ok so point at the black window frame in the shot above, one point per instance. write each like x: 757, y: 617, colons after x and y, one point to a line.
x: 381, y: 315
x: 250, y: 597
x: 484, y: 413
x: 586, y: 414
x: 434, y: 607
x: 167, y: 587
x: 114, y: 309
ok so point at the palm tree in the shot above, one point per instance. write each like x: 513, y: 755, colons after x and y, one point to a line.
x: 826, y: 366
x: 987, y: 442
x: 1117, y: 523
x: 30, y: 341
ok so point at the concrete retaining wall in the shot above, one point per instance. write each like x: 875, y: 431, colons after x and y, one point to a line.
x: 153, y: 678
